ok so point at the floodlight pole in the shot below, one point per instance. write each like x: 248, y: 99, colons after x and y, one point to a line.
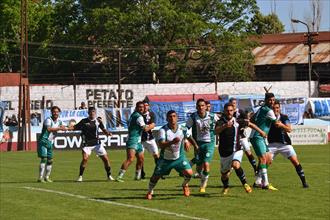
x: 309, y: 43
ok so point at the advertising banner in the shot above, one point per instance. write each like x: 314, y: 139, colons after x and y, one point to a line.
x: 308, y: 135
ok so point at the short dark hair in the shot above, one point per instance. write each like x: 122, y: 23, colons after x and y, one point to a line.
x: 269, y: 95
x: 277, y: 102
x: 228, y: 104
x: 207, y: 102
x: 169, y: 113
x: 91, y: 109
x: 200, y: 100
x: 232, y: 99
x: 139, y: 103
x: 55, y: 107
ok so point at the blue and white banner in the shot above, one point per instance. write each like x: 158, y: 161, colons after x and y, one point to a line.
x: 183, y: 109
x: 293, y: 107
x: 68, y: 115
x: 320, y: 107
x: 117, y: 119
x: 2, y: 112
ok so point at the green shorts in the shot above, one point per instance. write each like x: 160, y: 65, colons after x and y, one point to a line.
x: 135, y: 146
x: 164, y: 167
x: 259, y: 146
x: 205, y: 152
x: 45, y: 149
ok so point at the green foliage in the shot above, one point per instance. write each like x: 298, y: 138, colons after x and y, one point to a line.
x: 156, y: 36
x: 266, y: 24
x: 20, y: 169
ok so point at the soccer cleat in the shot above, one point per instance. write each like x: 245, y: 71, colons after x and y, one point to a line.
x: 119, y: 179
x: 41, y: 180
x: 110, y: 178
x: 247, y: 188
x: 48, y: 180
x: 202, y: 189
x: 149, y: 196
x: 80, y: 179
x: 186, y: 190
x: 225, y: 191
x: 270, y: 187
x: 305, y: 185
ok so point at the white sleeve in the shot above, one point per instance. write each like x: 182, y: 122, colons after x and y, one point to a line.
x: 216, y: 117
x: 189, y: 122
x: 161, y: 134
x: 48, y: 123
x: 271, y: 115
x: 140, y: 121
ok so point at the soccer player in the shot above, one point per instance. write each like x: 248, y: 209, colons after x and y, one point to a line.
x: 230, y: 149
x: 241, y: 115
x: 89, y: 128
x: 203, y: 124
x: 134, y: 146
x: 280, y: 142
x: 171, y: 142
x: 263, y: 118
x: 148, y: 140
x: 45, y: 146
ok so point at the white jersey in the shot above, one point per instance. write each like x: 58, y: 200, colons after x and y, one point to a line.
x: 49, y: 123
x: 176, y: 150
x: 202, y: 128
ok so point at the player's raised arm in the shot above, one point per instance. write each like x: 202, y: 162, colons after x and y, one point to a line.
x: 255, y: 127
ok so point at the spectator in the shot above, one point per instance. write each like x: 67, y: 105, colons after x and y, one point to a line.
x: 82, y: 105
x: 309, y: 113
x: 34, y: 120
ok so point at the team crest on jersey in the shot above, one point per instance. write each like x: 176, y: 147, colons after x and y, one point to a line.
x: 207, y: 154
x: 184, y: 163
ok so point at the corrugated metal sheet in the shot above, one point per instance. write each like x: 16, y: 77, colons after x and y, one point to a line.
x: 290, y: 49
x: 270, y: 54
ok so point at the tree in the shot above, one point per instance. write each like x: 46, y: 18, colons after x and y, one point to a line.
x: 154, y: 37
x: 266, y: 24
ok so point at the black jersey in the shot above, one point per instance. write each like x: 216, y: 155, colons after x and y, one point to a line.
x: 241, y: 118
x: 149, y: 118
x: 278, y: 135
x: 229, y: 137
x: 89, y: 130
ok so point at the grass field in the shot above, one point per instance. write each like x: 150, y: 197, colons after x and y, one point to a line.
x: 23, y: 198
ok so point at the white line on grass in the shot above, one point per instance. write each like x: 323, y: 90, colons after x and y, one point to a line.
x: 114, y: 203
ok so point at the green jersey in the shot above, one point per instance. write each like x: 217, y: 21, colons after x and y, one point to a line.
x: 263, y: 118
x: 49, y: 123
x: 176, y: 151
x: 135, y: 127
x: 202, y: 128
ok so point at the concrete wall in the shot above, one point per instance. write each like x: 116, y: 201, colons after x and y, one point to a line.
x: 106, y: 95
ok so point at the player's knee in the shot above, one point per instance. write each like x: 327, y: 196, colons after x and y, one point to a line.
x: 236, y: 165
x: 49, y: 161
x: 225, y: 175
x: 187, y: 173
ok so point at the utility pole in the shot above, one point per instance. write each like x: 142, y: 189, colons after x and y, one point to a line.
x: 309, y: 42
x: 119, y: 76
x: 24, y: 125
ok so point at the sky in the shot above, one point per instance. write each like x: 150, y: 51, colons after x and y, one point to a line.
x: 300, y: 9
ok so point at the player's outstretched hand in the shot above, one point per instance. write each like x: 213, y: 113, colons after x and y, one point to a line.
x: 263, y: 134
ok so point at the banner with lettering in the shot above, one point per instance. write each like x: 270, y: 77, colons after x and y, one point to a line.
x: 2, y: 112
x: 68, y: 116
x: 293, y: 107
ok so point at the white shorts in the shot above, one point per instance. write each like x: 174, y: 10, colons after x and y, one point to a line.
x: 98, y: 149
x: 227, y: 161
x: 245, y: 144
x: 286, y: 150
x: 151, y: 146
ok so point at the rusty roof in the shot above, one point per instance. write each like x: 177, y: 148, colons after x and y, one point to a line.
x: 9, y: 79
x: 290, y: 49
